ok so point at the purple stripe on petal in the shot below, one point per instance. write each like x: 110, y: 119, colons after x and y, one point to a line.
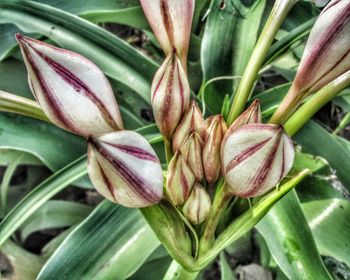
x: 79, y: 86
x: 164, y: 8
x: 240, y: 158
x: 261, y: 175
x: 107, y: 182
x: 51, y: 99
x: 134, y: 151
x: 138, y: 186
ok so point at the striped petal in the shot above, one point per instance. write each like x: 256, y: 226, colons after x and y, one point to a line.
x: 197, y: 207
x: 255, y: 158
x: 171, y: 22
x: 124, y: 168
x: 170, y: 95
x: 180, y: 180
x: 326, y: 56
x: 211, y: 149
x: 72, y: 91
x: 192, y: 153
x: 191, y: 121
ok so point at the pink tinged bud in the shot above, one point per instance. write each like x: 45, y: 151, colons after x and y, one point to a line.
x: 250, y: 115
x: 124, y: 168
x: 170, y: 95
x: 180, y: 180
x: 326, y: 56
x: 197, y: 207
x: 72, y: 91
x: 171, y: 22
x: 327, y: 52
x: 191, y: 121
x: 192, y: 153
x: 255, y: 158
x: 211, y: 149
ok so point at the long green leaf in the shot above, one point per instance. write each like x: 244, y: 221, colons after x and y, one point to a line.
x: 116, y: 58
x: 329, y: 221
x: 290, y: 241
x: 318, y: 141
x: 112, y: 243
x: 35, y: 199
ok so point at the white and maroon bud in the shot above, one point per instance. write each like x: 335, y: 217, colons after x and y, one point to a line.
x: 326, y: 57
x: 180, y: 180
x: 170, y: 95
x: 251, y: 115
x: 255, y: 158
x: 124, y: 168
x: 211, y: 149
x: 72, y: 91
x: 191, y: 151
x: 196, y: 208
x: 192, y: 121
x: 171, y: 22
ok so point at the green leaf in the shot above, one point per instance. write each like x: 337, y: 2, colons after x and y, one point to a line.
x: 226, y: 271
x: 55, y: 214
x: 245, y: 222
x: 228, y: 41
x: 116, y: 58
x: 315, y: 140
x: 17, y: 263
x: 35, y: 199
x: 329, y: 221
x: 290, y: 241
x: 52, y: 145
x: 154, y: 267
x: 114, y: 242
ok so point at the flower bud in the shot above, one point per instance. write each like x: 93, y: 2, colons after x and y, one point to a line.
x: 171, y: 22
x: 325, y: 58
x: 191, y: 121
x: 192, y: 153
x: 72, y: 91
x: 197, y: 207
x: 255, y: 158
x: 170, y: 95
x: 180, y: 180
x: 211, y: 149
x: 250, y: 115
x: 124, y: 168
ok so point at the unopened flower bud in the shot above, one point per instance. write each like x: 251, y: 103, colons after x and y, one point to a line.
x: 192, y: 153
x: 192, y: 121
x: 197, y: 207
x: 171, y: 22
x: 251, y: 115
x: 325, y: 58
x: 255, y: 158
x: 211, y: 149
x: 170, y: 95
x: 180, y: 180
x: 72, y: 91
x: 124, y: 168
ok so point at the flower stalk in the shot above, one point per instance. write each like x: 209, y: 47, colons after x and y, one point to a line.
x: 273, y: 24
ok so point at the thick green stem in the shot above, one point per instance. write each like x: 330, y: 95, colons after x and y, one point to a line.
x: 274, y: 22
x: 20, y: 105
x: 168, y: 150
x: 177, y: 272
x: 220, y: 203
x: 315, y: 103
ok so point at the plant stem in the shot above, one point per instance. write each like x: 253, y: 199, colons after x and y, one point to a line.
x: 343, y: 124
x: 20, y: 105
x: 274, y: 22
x: 168, y: 150
x: 177, y: 272
x: 220, y: 203
x: 315, y: 103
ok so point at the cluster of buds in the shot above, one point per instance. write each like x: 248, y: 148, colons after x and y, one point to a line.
x: 76, y: 96
x: 253, y: 158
